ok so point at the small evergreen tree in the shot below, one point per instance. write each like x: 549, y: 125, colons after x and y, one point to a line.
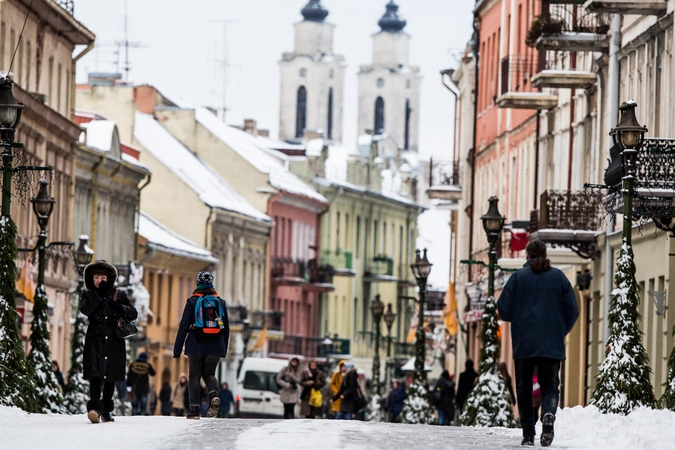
x: 76, y: 392
x: 416, y: 406
x: 39, y: 358
x: 374, y: 410
x: 667, y: 400
x: 622, y: 383
x: 488, y: 404
x: 16, y: 377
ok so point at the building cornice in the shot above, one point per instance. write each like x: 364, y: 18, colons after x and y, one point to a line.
x: 61, y: 21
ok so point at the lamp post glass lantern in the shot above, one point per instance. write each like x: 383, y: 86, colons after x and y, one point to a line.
x: 421, y: 269
x: 327, y: 345
x: 389, y: 318
x: 493, y: 223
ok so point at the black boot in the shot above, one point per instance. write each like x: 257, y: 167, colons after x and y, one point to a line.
x: 547, y: 429
x: 108, y: 406
x: 214, y: 404
x: 193, y: 413
x: 94, y: 408
x: 528, y: 440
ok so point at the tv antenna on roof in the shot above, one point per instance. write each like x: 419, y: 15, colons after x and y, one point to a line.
x: 224, y: 64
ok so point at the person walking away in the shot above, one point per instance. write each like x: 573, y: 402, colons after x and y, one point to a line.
x: 507, y: 380
x: 104, y: 359
x: 205, y: 331
x: 165, y: 399
x: 287, y: 381
x: 334, y: 385
x: 58, y: 374
x: 445, y: 386
x: 467, y: 380
x: 178, y: 395
x: 226, y: 400
x: 347, y: 393
x: 312, y: 380
x: 540, y: 303
x: 395, y: 401
x: 138, y: 379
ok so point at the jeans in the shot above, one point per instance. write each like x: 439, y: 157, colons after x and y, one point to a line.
x: 343, y: 416
x: 289, y: 410
x: 202, y: 366
x: 549, y: 383
x: 444, y: 417
x: 139, y: 405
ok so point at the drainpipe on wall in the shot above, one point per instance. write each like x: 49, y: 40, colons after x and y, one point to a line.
x: 472, y: 155
x: 148, y: 177
x: 73, y: 71
x: 613, y: 88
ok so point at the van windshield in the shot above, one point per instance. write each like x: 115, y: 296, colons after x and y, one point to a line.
x: 260, y: 381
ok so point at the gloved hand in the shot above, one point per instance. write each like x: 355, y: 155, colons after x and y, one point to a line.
x: 117, y: 307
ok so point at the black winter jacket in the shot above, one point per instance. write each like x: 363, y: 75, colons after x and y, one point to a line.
x: 350, y: 389
x: 139, y: 376
x: 202, y: 344
x: 447, y: 390
x: 542, y: 309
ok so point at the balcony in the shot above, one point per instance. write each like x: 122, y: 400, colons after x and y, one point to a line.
x: 444, y: 180
x: 340, y: 261
x: 569, y: 28
x: 516, y: 87
x: 403, y: 349
x: 557, y: 75
x: 638, y: 7
x: 269, y: 319
x: 309, y: 347
x: 568, y: 219
x: 289, y: 271
x: 380, y: 268
x: 237, y: 314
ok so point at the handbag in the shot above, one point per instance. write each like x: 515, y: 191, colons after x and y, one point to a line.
x: 123, y: 328
x: 360, y: 401
x: 315, y: 398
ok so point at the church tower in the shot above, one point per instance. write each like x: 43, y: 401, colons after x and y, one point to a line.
x: 312, y: 80
x: 389, y: 88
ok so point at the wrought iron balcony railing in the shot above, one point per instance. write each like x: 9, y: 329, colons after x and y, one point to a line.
x: 237, y: 314
x: 569, y: 27
x: 288, y: 268
x: 309, y: 347
x: 68, y: 5
x: 338, y: 259
x: 443, y: 173
x: 516, y: 72
x: 404, y: 349
x: 380, y: 266
x: 271, y: 319
x: 320, y: 275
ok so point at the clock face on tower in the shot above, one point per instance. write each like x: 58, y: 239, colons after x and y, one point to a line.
x: 380, y: 82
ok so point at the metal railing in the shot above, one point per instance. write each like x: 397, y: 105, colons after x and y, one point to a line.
x: 309, y: 347
x: 380, y: 266
x: 567, y: 210
x: 404, y: 349
x: 566, y: 18
x: 237, y: 314
x: 271, y: 319
x: 516, y: 71
x: 287, y: 267
x: 68, y: 5
x: 338, y: 259
x: 320, y: 275
x: 443, y: 173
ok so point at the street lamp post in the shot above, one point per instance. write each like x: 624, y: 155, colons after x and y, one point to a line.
x: 327, y: 345
x: 389, y: 317
x: 245, y: 336
x: 377, y: 309
x: 420, y: 269
x: 493, y: 223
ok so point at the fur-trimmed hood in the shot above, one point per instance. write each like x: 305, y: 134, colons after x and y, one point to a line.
x: 100, y: 266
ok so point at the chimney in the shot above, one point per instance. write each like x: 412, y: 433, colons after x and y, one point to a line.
x: 251, y: 127
x: 264, y: 133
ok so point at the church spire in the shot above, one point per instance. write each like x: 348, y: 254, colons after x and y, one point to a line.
x: 391, y: 22
x: 314, y: 12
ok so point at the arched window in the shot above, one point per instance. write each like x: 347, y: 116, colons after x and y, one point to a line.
x: 407, y: 124
x: 379, y: 116
x: 329, y: 131
x: 301, y: 112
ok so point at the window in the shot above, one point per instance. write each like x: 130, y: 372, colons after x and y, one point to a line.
x: 50, y: 84
x: 260, y: 381
x: 358, y: 235
x: 337, y: 233
x: 407, y: 84
x: 375, y: 233
x: 330, y: 114
x: 407, y: 125
x: 58, y: 88
x: 29, y: 48
x: 379, y: 116
x: 384, y: 237
x: 380, y: 82
x: 301, y: 112
x: 331, y: 74
x: 303, y: 72
x: 3, y: 31
x: 347, y: 236
x: 19, y: 65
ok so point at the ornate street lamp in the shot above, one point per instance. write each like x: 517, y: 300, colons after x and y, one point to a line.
x: 377, y: 309
x: 10, y: 116
x: 493, y: 223
x: 389, y: 318
x: 43, y: 206
x: 82, y: 257
x: 245, y: 336
x: 629, y: 134
x: 420, y: 269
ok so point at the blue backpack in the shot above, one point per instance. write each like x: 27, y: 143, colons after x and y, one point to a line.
x: 209, y: 315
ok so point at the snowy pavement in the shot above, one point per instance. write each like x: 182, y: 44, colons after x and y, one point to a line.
x: 576, y: 428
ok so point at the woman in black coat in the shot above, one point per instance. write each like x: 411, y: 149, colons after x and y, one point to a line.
x: 348, y: 393
x: 445, y: 389
x: 105, y: 355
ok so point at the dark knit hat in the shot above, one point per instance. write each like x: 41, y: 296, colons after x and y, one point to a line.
x: 204, y: 277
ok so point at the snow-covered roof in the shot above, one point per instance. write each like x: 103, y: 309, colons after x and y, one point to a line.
x: 133, y: 161
x: 240, y: 141
x: 211, y: 188
x: 360, y: 189
x: 100, y: 134
x: 160, y: 236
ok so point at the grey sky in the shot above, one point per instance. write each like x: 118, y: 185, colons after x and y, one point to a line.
x: 184, y: 46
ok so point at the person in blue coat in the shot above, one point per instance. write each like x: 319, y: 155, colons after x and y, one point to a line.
x: 203, y: 350
x: 541, y: 305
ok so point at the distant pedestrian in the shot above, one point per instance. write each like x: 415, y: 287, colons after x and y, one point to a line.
x: 313, y: 380
x: 104, y: 359
x: 152, y: 400
x: 57, y: 373
x: 507, y: 380
x: 138, y: 379
x: 541, y: 305
x: 226, y: 400
x: 335, y: 383
x: 287, y: 380
x: 205, y: 331
x: 178, y: 405
x: 445, y: 390
x: 467, y: 380
x: 348, y: 393
x: 395, y: 401
x: 165, y: 399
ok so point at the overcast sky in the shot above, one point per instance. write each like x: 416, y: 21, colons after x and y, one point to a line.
x: 182, y: 52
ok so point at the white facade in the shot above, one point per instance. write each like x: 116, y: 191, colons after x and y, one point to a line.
x: 312, y: 66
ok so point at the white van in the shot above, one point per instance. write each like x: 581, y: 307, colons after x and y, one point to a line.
x: 257, y: 389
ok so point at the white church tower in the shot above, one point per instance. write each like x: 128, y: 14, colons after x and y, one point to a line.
x: 312, y: 80
x: 389, y: 88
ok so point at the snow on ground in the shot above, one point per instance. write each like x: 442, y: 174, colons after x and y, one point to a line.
x: 576, y: 428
